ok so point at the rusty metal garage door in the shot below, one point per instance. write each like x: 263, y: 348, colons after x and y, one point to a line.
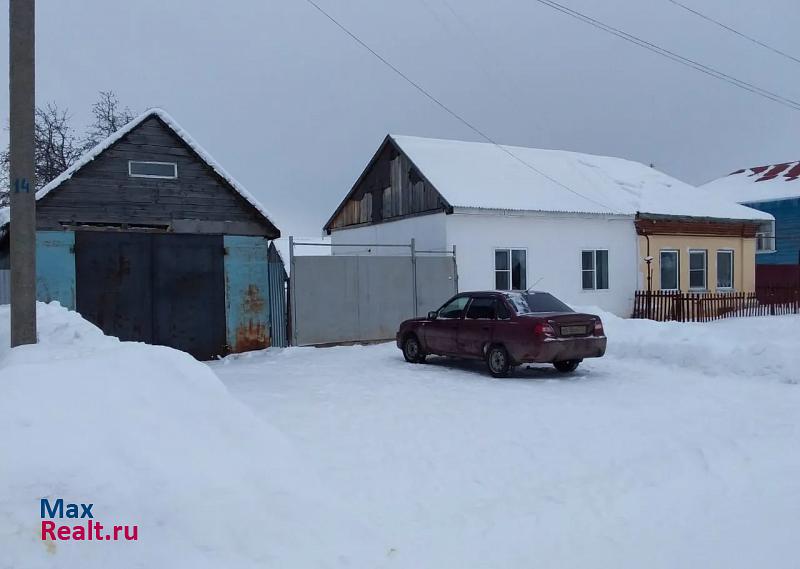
x: 157, y: 288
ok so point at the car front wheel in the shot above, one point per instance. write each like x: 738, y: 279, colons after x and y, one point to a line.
x: 498, y: 362
x: 567, y: 366
x: 412, y: 351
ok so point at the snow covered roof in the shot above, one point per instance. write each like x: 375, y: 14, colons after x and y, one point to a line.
x: 762, y: 183
x: 489, y: 176
x: 95, y: 151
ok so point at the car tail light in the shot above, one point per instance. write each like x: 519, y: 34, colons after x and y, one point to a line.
x: 598, y: 328
x: 544, y: 329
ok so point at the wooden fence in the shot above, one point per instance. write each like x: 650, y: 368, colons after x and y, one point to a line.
x: 705, y: 306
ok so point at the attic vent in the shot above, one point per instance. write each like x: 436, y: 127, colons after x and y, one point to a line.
x: 139, y: 169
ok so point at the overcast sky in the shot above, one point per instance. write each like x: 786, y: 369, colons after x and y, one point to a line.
x: 293, y: 108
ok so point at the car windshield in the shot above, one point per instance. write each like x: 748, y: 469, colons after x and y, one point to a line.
x: 533, y: 302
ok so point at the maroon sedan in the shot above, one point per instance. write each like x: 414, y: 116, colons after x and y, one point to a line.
x: 505, y: 329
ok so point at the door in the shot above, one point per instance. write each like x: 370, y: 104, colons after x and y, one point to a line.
x: 442, y: 332
x: 477, y: 328
x: 113, y: 283
x: 157, y: 288
x: 189, y: 294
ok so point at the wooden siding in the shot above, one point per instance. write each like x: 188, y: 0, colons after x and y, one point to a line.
x: 699, y: 227
x: 102, y: 193
x: 787, y: 231
x: 391, y: 187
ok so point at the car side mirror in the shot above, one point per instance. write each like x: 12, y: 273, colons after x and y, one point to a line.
x: 432, y: 315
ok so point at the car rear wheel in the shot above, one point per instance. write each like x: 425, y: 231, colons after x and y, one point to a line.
x: 567, y: 366
x: 498, y: 362
x: 412, y: 351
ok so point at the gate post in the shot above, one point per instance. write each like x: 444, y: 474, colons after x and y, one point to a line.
x: 292, y: 295
x: 414, y: 274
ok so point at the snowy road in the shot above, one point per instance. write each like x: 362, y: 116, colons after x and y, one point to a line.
x: 665, y: 453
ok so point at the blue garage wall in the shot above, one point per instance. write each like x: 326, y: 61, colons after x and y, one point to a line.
x: 55, y: 267
x: 246, y: 293
x: 787, y: 231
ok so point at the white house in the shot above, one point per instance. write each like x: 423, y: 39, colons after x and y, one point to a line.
x: 522, y: 218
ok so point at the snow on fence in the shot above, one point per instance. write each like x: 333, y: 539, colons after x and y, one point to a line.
x: 664, y: 305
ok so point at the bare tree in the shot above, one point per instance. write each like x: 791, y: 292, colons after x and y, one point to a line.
x: 57, y: 144
x: 109, y: 117
x: 56, y: 148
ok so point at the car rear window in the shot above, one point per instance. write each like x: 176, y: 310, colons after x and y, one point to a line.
x: 533, y: 302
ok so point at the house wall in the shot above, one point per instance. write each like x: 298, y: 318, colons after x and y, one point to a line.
x: 554, y: 244
x: 787, y: 231
x: 744, y: 259
x: 429, y: 232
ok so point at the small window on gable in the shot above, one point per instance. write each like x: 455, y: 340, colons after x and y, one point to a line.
x: 140, y: 169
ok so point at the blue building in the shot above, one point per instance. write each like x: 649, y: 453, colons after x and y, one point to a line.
x: 151, y: 240
x: 774, y: 189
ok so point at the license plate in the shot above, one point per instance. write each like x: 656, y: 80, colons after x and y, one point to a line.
x: 573, y: 330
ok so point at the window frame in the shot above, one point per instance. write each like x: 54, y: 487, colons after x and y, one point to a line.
x: 732, y: 254
x: 705, y: 269
x: 153, y: 176
x: 677, y: 253
x: 510, y: 271
x: 593, y: 270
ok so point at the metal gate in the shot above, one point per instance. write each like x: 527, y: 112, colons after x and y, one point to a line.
x: 162, y: 289
x: 356, y: 298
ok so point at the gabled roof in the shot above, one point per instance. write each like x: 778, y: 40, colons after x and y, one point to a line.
x: 95, y: 151
x: 489, y: 176
x: 761, y: 183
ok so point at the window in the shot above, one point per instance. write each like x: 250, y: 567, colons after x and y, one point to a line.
x: 670, y: 270
x: 697, y: 269
x: 482, y: 308
x: 510, y: 269
x: 725, y: 269
x: 536, y: 302
x: 765, y: 237
x: 454, y: 308
x: 594, y: 269
x: 139, y: 169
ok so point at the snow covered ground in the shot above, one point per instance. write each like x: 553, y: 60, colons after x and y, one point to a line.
x: 678, y: 449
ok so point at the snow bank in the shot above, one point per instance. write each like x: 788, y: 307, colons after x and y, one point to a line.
x: 760, y: 347
x: 150, y: 437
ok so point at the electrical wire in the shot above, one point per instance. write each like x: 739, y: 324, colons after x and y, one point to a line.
x: 447, y: 109
x: 735, y: 31
x: 795, y: 105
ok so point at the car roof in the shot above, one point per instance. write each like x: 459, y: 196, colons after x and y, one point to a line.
x: 501, y: 292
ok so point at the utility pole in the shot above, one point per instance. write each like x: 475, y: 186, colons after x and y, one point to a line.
x: 23, y: 192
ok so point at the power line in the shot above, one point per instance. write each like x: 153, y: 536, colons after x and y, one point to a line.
x: 735, y: 31
x: 792, y: 104
x: 447, y: 109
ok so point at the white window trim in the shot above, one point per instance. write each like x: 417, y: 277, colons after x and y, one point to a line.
x: 677, y: 269
x: 594, y: 270
x: 705, y: 270
x: 510, y: 265
x: 733, y: 269
x: 173, y: 164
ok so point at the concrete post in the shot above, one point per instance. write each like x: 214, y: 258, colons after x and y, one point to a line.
x: 22, y: 171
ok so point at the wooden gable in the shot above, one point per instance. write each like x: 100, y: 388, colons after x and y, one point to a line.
x: 391, y: 187
x: 102, y: 194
